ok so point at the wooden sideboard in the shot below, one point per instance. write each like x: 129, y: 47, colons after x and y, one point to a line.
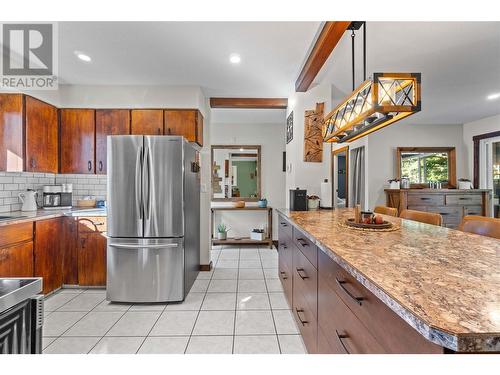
x: 452, y: 204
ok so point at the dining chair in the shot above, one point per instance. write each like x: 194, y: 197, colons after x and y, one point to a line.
x: 384, y: 210
x: 422, y: 216
x: 482, y: 225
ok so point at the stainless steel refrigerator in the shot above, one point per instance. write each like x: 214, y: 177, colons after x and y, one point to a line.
x: 153, y: 250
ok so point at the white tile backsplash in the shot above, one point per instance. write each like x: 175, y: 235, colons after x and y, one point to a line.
x: 13, y: 183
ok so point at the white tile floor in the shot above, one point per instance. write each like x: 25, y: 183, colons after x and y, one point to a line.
x: 239, y: 308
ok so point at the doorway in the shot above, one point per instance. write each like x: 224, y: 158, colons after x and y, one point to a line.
x: 340, y: 177
x: 490, y: 171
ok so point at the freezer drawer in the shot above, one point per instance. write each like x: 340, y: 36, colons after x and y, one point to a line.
x: 145, y: 270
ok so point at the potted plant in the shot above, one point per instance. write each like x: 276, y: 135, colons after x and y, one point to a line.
x: 222, y: 231
x: 262, y: 202
x: 312, y: 202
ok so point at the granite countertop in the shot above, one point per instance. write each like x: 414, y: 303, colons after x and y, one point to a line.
x: 16, y: 217
x: 429, y: 190
x: 443, y: 282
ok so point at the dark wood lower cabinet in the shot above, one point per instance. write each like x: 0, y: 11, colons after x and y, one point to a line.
x: 70, y: 251
x: 47, y: 253
x: 305, y: 299
x: 91, y: 259
x: 17, y: 260
x: 334, y: 312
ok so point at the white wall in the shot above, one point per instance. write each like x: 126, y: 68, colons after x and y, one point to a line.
x: 470, y: 129
x: 271, y: 138
x: 383, y: 145
x: 306, y: 175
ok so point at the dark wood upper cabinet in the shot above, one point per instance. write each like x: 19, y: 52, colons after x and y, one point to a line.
x: 185, y: 122
x: 77, y: 141
x: 48, y: 257
x: 146, y: 122
x: 108, y: 122
x: 42, y: 141
x: 11, y: 132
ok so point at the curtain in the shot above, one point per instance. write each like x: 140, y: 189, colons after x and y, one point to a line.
x: 358, y: 177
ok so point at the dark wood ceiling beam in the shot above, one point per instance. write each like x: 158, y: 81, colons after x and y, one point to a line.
x: 325, y: 43
x: 259, y: 103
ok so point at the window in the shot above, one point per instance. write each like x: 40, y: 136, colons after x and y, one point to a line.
x: 427, y: 164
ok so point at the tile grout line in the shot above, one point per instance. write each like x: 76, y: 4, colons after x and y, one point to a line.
x: 271, y: 307
x: 203, y: 301
x: 236, y: 305
x: 151, y: 329
x: 71, y: 326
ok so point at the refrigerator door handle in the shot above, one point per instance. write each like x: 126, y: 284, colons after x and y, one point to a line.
x: 138, y: 246
x: 138, y: 185
x: 147, y: 209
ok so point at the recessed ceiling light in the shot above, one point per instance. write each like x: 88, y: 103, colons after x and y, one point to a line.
x: 234, y: 58
x: 493, y: 96
x: 83, y: 56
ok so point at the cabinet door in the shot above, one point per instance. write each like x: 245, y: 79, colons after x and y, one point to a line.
x: 77, y: 141
x: 183, y: 122
x: 147, y: 122
x: 108, y: 122
x: 42, y: 137
x: 11, y: 132
x: 47, y: 254
x: 91, y: 259
x: 70, y: 251
x: 17, y: 260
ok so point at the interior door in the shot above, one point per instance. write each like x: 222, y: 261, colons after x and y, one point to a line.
x: 163, y: 187
x: 490, y: 171
x: 125, y: 203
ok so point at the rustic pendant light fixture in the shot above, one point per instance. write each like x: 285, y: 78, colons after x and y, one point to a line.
x: 377, y: 102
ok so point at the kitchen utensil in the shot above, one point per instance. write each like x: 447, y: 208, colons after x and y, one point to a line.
x: 28, y: 199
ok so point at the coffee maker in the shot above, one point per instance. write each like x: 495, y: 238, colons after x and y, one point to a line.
x: 57, y: 197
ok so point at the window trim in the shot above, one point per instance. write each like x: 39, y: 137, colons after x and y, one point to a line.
x: 452, y: 164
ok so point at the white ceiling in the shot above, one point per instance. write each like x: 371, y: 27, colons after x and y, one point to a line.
x: 187, y: 53
x: 459, y: 62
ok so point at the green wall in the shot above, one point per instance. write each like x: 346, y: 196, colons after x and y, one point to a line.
x: 246, y: 185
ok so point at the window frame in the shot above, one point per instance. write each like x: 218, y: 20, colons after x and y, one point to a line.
x: 452, y: 164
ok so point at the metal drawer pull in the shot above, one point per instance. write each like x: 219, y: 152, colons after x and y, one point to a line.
x: 302, y: 321
x: 357, y: 299
x: 283, y: 275
x: 139, y: 246
x: 302, y: 242
x: 299, y: 270
x: 340, y: 337
x: 283, y: 245
x: 425, y: 199
x: 464, y: 199
x: 284, y: 224
x: 444, y: 213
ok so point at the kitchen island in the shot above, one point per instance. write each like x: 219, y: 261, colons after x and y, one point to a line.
x: 439, y: 283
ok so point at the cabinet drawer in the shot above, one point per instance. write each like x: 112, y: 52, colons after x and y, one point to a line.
x: 463, y: 199
x: 341, y: 331
x: 305, y: 299
x: 284, y: 226
x: 451, y: 215
x: 307, y: 247
x: 473, y: 210
x: 285, y: 250
x: 92, y: 224
x: 286, y: 280
x: 392, y: 333
x: 14, y: 233
x: 425, y: 200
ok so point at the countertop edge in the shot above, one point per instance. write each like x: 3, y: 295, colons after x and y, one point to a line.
x: 51, y: 215
x: 459, y: 343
